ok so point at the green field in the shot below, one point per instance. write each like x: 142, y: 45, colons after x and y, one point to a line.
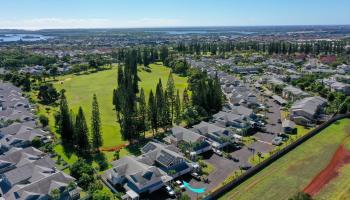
x: 294, y: 171
x: 80, y: 89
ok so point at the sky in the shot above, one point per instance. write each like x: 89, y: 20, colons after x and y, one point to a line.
x: 45, y: 14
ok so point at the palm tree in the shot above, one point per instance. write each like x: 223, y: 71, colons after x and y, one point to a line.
x: 171, y: 173
x: 259, y: 155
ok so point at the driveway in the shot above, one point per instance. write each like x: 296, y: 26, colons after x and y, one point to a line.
x: 262, y: 147
x: 222, y: 169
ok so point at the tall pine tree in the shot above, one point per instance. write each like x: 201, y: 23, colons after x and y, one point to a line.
x: 177, y: 108
x: 97, y: 140
x: 143, y: 112
x: 170, y: 89
x: 160, y: 105
x: 164, y: 54
x: 166, y: 117
x: 185, y: 99
x: 81, y: 133
x: 65, y: 122
x: 152, y: 112
x: 125, y: 99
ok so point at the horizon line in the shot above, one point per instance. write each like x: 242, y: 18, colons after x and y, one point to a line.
x: 160, y: 27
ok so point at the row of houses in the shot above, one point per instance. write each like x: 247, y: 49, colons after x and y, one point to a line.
x: 161, y: 162
x: 306, y: 109
x: 155, y: 167
x: 336, y: 86
x: 29, y: 173
x: 39, y: 69
x: 26, y: 172
x: 18, y: 125
x: 236, y: 92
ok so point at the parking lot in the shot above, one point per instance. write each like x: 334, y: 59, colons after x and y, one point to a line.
x: 223, y: 167
x: 273, y: 126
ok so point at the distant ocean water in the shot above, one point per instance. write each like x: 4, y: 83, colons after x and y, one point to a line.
x: 184, y: 32
x: 23, y: 37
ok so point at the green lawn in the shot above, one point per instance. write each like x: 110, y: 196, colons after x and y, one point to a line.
x: 80, y: 89
x: 209, y: 168
x: 337, y: 189
x: 294, y: 171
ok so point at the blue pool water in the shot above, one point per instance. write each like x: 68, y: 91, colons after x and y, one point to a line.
x: 195, y: 190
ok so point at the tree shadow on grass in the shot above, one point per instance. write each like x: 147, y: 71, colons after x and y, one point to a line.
x: 68, y: 150
x: 135, y: 148
x: 145, y: 69
x: 100, y: 159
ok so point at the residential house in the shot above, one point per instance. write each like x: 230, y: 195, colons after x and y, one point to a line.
x: 42, y: 188
x: 132, y: 174
x: 328, y: 59
x: 337, y: 86
x: 343, y: 69
x: 237, y: 123
x: 288, y: 126
x: 273, y: 82
x: 245, y: 69
x: 306, y: 111
x: 218, y: 136
x: 293, y: 93
x: 279, y: 100
x: 195, y: 141
x: 27, y: 174
x: 165, y: 157
x: 20, y: 136
x: 148, y: 172
x: 242, y: 96
x: 241, y: 110
x: 19, y: 157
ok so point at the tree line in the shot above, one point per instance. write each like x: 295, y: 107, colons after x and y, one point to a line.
x: 136, y: 115
x: 17, y: 58
x: 164, y: 106
x: 143, y: 56
x: 274, y: 47
x: 74, y: 129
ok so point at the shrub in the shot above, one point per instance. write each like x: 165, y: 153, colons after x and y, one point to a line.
x: 36, y: 142
x: 44, y: 120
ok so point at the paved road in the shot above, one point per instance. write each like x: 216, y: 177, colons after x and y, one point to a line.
x: 273, y: 127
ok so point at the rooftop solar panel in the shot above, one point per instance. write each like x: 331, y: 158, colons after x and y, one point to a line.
x: 148, y: 147
x: 165, y: 158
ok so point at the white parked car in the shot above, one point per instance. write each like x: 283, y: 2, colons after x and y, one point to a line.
x: 277, y: 141
x: 170, y: 191
x: 179, y: 183
x: 217, y: 152
x: 196, y: 176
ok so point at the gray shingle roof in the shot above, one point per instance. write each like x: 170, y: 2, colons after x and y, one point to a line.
x: 21, y: 157
x: 134, y: 170
x: 288, y: 124
x: 40, y: 188
x: 309, y: 104
x: 295, y: 91
x: 183, y: 134
x: 162, y: 154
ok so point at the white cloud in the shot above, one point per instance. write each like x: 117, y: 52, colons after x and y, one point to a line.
x: 56, y: 23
